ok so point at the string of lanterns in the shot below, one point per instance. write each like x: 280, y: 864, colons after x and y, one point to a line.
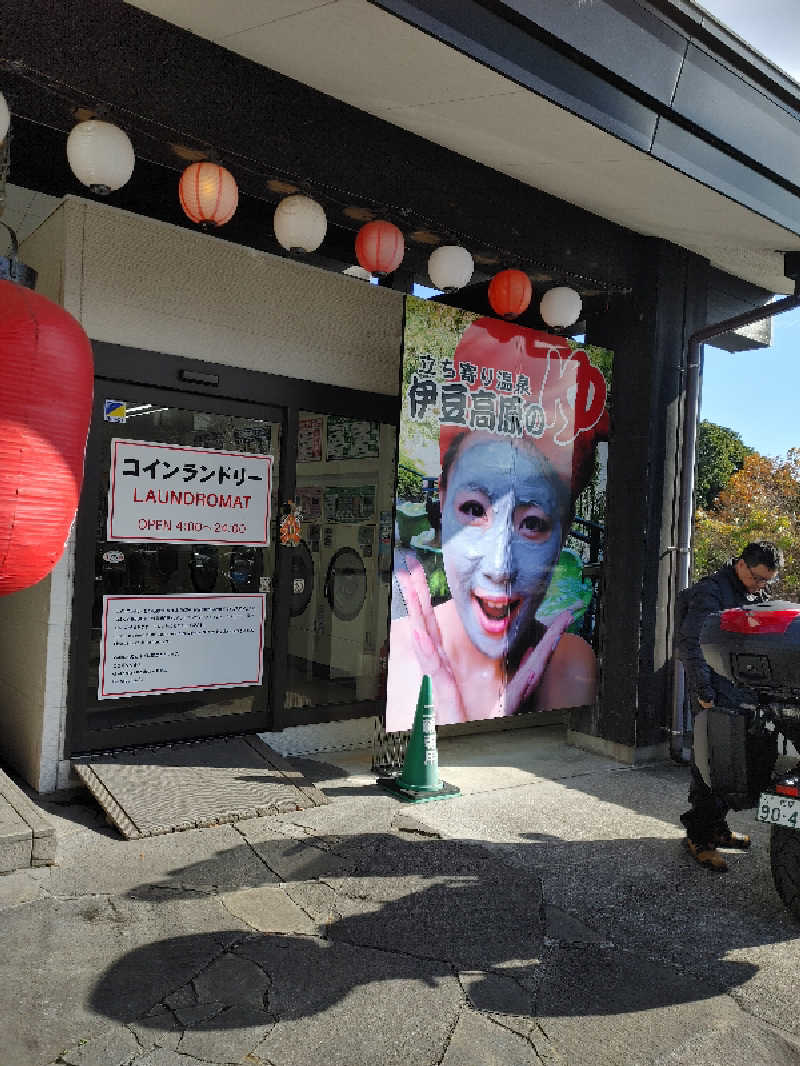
x: 101, y: 157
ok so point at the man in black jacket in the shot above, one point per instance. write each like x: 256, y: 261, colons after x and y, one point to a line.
x: 741, y: 581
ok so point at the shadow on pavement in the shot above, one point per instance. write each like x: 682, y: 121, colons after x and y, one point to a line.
x: 393, y: 909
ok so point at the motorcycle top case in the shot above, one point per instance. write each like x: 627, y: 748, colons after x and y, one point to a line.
x: 757, y: 647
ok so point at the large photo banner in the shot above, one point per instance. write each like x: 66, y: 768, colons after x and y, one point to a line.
x: 499, y: 432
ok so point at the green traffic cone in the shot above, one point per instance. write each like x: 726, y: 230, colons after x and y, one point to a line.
x: 420, y: 779
x: 421, y: 764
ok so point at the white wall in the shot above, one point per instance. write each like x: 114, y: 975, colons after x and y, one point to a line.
x: 150, y: 285
x: 146, y: 284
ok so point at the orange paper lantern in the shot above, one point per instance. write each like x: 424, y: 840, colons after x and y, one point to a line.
x: 208, y: 193
x: 380, y: 247
x: 46, y: 383
x: 510, y: 293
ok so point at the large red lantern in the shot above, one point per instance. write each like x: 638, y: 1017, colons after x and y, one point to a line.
x: 46, y: 382
x: 208, y: 193
x: 510, y: 293
x: 380, y: 247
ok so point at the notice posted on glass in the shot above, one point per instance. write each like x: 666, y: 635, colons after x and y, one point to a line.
x: 154, y: 644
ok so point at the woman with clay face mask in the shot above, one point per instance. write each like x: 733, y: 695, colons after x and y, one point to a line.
x: 506, y: 507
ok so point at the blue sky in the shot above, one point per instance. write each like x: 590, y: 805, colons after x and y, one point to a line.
x: 769, y: 26
x: 756, y: 393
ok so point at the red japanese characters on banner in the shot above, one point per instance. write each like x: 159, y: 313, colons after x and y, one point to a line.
x: 46, y: 382
x: 522, y: 384
x: 499, y: 427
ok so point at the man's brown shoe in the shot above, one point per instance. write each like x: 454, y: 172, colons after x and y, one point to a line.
x: 707, y: 856
x: 728, y: 839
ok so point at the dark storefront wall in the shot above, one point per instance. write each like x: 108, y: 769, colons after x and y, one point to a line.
x: 647, y: 297
x: 646, y: 330
x: 648, y: 333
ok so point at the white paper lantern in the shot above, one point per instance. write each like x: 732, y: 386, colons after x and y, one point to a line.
x: 100, y: 155
x: 300, y: 224
x: 5, y: 118
x: 450, y: 267
x: 358, y: 272
x: 560, y: 307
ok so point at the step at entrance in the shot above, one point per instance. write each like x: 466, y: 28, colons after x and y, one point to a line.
x: 166, y: 788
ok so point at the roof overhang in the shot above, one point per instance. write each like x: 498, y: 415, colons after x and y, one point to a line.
x: 638, y: 113
x: 624, y: 109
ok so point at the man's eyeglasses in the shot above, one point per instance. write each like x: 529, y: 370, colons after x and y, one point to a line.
x: 758, y: 580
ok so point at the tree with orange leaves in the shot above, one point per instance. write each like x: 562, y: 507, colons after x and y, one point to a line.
x: 760, y: 502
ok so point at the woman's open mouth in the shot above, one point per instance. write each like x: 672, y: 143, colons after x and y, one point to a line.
x: 495, y: 613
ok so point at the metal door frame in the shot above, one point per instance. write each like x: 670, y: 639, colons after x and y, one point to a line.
x: 199, y: 385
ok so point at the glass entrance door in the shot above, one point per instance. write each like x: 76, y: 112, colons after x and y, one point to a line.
x: 176, y: 636
x: 337, y: 642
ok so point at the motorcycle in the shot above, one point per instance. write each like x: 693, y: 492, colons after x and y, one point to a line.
x: 758, y: 648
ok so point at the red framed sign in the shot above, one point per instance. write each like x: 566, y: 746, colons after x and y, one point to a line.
x: 165, y: 492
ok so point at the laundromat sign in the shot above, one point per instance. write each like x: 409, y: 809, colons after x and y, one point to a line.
x: 169, y: 493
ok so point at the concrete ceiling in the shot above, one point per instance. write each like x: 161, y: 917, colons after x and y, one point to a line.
x: 358, y: 54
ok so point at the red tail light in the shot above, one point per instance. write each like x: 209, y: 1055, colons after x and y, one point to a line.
x: 738, y: 620
x: 788, y: 790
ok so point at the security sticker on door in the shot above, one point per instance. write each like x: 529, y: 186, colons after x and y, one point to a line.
x: 778, y: 810
x: 115, y: 411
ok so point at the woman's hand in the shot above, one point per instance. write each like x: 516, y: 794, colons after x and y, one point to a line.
x: 428, y: 645
x: 534, y: 662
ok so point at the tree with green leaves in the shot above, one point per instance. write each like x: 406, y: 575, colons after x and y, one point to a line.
x: 720, y: 453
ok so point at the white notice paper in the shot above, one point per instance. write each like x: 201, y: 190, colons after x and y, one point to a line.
x: 157, y: 644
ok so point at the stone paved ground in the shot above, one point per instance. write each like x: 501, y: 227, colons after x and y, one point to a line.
x: 547, y: 916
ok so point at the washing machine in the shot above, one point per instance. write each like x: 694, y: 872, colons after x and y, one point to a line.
x: 345, y: 600
x: 333, y: 641
x: 305, y: 562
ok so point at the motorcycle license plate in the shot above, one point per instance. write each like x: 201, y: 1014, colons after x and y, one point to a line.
x: 778, y: 810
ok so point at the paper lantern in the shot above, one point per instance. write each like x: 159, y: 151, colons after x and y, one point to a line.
x: 450, y: 267
x: 380, y: 247
x: 510, y: 293
x: 300, y: 224
x: 208, y: 193
x: 46, y: 381
x: 5, y: 118
x: 100, y: 155
x: 560, y: 307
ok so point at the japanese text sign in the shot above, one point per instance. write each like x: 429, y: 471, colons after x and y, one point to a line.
x: 169, y: 493
x: 155, y: 644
